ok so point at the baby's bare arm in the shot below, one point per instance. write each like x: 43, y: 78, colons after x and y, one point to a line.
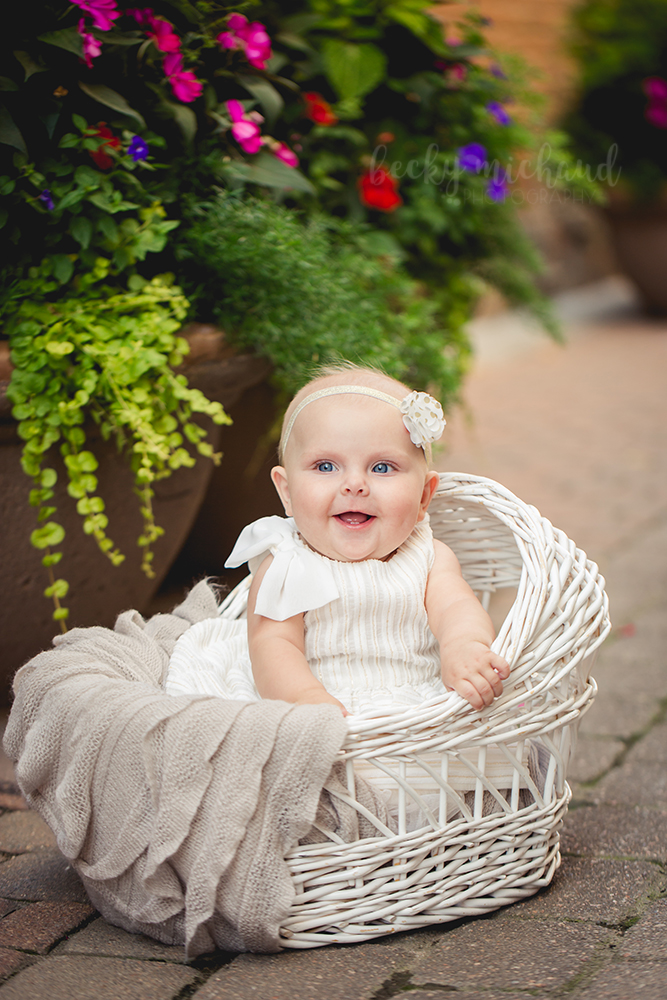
x: 279, y: 665
x: 464, y: 631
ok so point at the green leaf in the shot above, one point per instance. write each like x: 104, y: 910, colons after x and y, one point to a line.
x: 58, y: 588
x: 7, y: 84
x: 63, y: 268
x: 59, y: 348
x: 81, y: 229
x: 79, y: 122
x: 60, y: 614
x: 112, y: 99
x: 52, y: 559
x: 9, y: 133
x: 186, y: 120
x: 29, y: 65
x: 269, y: 171
x: 265, y: 93
x: 67, y: 38
x: 49, y: 534
x: 353, y: 70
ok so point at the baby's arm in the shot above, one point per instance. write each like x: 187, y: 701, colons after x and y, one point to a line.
x: 279, y: 665
x: 464, y: 631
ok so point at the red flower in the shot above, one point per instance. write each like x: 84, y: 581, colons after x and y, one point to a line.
x: 319, y: 110
x: 101, y: 158
x: 378, y: 189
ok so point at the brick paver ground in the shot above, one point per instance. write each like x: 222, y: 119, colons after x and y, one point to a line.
x: 580, y: 432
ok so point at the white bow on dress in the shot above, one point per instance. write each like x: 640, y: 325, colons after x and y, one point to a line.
x: 297, y: 580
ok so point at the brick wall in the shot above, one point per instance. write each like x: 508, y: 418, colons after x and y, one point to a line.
x: 573, y: 237
x: 534, y: 29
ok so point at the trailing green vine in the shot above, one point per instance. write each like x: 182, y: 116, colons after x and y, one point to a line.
x: 108, y: 353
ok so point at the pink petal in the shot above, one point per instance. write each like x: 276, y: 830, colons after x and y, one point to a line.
x: 285, y: 154
x: 173, y: 63
x: 228, y: 41
x: 236, y: 22
x: 236, y: 112
x: 186, y: 86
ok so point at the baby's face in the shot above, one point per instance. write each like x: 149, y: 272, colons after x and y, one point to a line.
x: 353, y: 481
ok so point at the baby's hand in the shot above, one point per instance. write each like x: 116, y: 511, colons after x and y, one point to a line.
x: 474, y: 671
x: 318, y: 696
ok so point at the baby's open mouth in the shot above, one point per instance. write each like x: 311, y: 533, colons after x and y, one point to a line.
x: 354, y: 517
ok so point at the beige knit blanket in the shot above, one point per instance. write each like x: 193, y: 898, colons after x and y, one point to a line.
x: 177, y: 812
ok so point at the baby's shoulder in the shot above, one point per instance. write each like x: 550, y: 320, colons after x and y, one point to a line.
x: 445, y: 560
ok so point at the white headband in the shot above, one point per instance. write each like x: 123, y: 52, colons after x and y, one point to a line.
x: 422, y: 414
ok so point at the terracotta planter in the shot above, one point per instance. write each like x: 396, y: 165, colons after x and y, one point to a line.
x: 640, y: 241
x: 99, y: 591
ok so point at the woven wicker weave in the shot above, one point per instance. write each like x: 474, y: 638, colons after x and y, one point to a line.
x: 489, y: 787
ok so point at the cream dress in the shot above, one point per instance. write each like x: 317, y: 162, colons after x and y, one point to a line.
x: 367, y: 637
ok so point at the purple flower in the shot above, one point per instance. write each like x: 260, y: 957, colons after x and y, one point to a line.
x: 46, y: 199
x: 472, y: 157
x: 496, y: 189
x: 497, y: 71
x: 498, y: 112
x: 138, y: 148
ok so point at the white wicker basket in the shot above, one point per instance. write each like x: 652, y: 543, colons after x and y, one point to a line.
x: 498, y: 775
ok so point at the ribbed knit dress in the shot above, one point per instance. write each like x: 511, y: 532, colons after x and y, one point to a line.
x: 371, y: 647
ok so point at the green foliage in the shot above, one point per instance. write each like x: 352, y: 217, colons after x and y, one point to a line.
x: 619, y: 44
x: 308, y: 294
x: 109, y: 354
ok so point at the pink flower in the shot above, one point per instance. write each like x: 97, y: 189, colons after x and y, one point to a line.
x: 656, y: 114
x: 285, y: 154
x: 172, y: 63
x: 250, y: 37
x: 142, y: 15
x: 245, y: 132
x: 91, y: 46
x: 655, y: 88
x: 164, y: 38
x: 186, y: 86
x: 103, y: 12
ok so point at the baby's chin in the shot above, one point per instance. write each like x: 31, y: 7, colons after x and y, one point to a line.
x: 352, y: 548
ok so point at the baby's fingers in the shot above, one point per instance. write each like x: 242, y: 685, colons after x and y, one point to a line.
x: 500, y: 665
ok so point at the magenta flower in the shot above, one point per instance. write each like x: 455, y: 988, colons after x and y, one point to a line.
x: 186, y: 86
x: 103, y: 12
x: 251, y: 38
x: 138, y: 148
x: 142, y: 15
x: 164, y: 38
x: 656, y: 114
x: 184, y: 83
x: 284, y: 153
x: 91, y: 46
x: 498, y: 112
x: 472, y: 157
x: 172, y: 63
x: 655, y: 88
x: 245, y: 131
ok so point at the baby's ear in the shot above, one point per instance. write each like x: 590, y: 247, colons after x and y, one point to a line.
x: 279, y: 479
x: 430, y: 486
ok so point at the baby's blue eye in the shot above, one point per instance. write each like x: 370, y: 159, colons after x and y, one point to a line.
x: 325, y: 467
x: 382, y: 467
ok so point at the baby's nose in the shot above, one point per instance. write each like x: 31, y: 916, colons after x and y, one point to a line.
x: 355, y: 485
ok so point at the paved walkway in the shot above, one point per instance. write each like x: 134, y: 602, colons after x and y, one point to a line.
x: 580, y: 432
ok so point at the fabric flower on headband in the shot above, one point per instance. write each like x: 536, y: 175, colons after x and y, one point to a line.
x: 423, y: 417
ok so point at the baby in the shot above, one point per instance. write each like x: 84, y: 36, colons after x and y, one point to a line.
x: 352, y: 600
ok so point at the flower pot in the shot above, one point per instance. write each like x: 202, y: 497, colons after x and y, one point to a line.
x: 640, y: 241
x: 98, y: 590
